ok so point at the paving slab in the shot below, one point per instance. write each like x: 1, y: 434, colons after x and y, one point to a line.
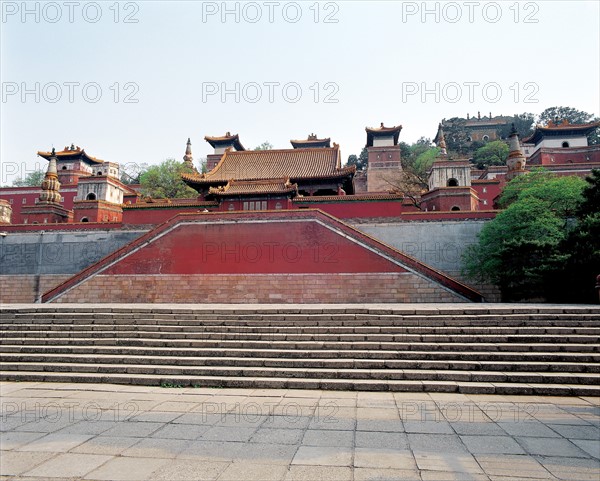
x: 363, y: 438
x: 69, y: 465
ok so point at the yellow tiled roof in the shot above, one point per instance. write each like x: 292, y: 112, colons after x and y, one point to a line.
x: 274, y: 164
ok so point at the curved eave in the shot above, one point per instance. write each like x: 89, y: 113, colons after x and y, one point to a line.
x: 70, y: 155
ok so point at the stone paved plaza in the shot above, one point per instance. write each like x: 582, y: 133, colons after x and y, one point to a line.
x: 114, y: 432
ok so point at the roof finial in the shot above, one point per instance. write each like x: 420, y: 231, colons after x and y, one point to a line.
x: 440, y: 140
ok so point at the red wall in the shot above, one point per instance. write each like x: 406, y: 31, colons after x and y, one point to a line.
x: 354, y: 209
x: 285, y: 247
x: 30, y: 194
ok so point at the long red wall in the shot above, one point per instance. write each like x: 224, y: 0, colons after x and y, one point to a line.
x: 283, y: 256
x: 280, y: 247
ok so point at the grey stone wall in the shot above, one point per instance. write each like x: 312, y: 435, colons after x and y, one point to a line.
x: 60, y: 252
x: 439, y: 244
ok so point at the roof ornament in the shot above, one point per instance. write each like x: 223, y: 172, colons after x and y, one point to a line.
x: 187, y: 158
x: 440, y: 140
x: 516, y: 160
x: 50, y: 185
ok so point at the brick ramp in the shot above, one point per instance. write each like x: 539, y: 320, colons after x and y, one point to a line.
x: 478, y: 348
x: 259, y: 257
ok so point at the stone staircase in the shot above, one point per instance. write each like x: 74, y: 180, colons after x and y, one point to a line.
x: 542, y: 350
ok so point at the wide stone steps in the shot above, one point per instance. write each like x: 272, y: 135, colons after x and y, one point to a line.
x: 528, y: 345
x: 302, y: 337
x: 308, y: 383
x: 304, y: 372
x: 413, y: 329
x: 308, y: 363
x: 493, y: 349
x: 447, y: 356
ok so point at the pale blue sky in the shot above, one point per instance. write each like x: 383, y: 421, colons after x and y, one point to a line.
x: 367, y: 60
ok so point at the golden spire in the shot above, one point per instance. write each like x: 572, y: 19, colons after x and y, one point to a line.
x: 50, y: 185
x: 516, y: 160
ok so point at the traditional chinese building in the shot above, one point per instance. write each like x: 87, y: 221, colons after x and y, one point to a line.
x: 269, y: 179
x: 449, y: 182
x: 562, y: 143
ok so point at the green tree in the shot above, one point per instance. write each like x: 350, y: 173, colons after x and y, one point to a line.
x: 457, y: 139
x: 591, y: 195
x: 360, y: 161
x: 575, y: 281
x: 493, y: 153
x: 32, y: 179
x: 416, y: 161
x: 522, y: 249
x: 266, y: 145
x: 559, y: 114
x: 131, y: 172
x: 523, y: 123
x: 164, y: 181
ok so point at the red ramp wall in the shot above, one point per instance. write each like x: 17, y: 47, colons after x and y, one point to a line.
x: 284, y: 256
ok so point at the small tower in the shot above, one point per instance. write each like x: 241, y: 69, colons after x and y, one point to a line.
x: 50, y: 185
x: 48, y: 210
x: 100, y: 197
x: 516, y: 160
x: 384, y: 163
x: 449, y: 182
x: 221, y: 144
x: 440, y: 140
x: 188, y: 160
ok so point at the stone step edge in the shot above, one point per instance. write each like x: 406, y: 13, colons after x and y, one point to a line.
x: 317, y: 373
x: 299, y: 383
x: 415, y: 309
x: 118, y: 360
x: 589, y: 347
x: 94, y: 348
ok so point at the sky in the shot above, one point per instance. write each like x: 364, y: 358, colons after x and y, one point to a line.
x: 131, y: 81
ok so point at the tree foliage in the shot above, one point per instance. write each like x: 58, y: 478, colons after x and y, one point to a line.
x: 457, y: 139
x: 575, y: 281
x: 32, y: 179
x: 591, y: 195
x: 266, y: 145
x: 361, y: 161
x: 524, y: 249
x: 492, y: 153
x: 523, y: 123
x: 570, y: 114
x: 416, y: 161
x: 164, y: 181
x: 131, y: 172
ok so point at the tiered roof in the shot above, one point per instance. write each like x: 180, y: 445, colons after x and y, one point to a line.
x: 563, y: 128
x: 382, y: 131
x: 311, y: 141
x: 225, y: 141
x: 71, y: 153
x: 255, y: 187
x: 274, y: 165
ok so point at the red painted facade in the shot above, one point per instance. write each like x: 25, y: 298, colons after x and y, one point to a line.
x: 301, y: 246
x: 246, y: 248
